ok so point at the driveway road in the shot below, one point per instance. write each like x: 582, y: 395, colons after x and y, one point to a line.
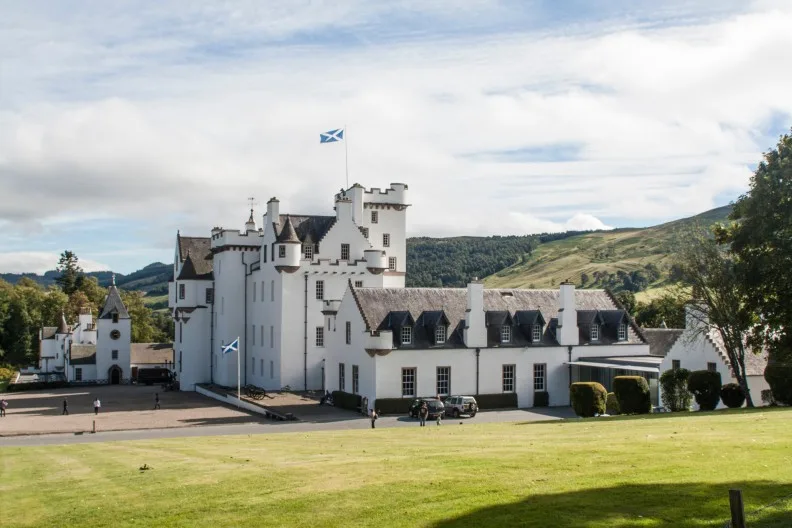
x: 514, y: 415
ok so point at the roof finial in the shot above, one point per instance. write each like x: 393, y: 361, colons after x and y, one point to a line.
x: 113, y: 279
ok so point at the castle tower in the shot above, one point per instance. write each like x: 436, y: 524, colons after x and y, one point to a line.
x: 114, y: 339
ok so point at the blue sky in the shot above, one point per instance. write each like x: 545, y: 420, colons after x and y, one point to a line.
x: 121, y: 122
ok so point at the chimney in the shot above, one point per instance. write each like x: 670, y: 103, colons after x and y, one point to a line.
x: 356, y: 192
x: 273, y: 210
x: 567, y: 332
x: 343, y: 207
x: 475, y: 333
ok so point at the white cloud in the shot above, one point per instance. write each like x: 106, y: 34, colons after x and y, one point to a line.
x: 105, y: 116
x: 40, y: 262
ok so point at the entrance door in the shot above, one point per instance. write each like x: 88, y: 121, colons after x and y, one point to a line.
x: 115, y: 375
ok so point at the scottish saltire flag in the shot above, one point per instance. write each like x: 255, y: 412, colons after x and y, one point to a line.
x: 331, y: 136
x: 233, y: 346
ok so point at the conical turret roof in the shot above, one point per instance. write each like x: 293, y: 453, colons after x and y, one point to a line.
x: 113, y: 304
x: 288, y: 235
x: 63, y: 328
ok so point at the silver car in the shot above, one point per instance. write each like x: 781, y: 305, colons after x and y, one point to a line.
x: 456, y: 406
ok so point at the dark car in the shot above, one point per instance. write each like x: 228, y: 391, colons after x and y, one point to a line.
x: 152, y: 375
x: 436, y: 407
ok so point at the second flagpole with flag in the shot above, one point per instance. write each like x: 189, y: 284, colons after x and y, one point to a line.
x: 233, y: 346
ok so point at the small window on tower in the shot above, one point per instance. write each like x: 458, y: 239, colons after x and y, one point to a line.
x: 374, y: 217
x: 308, y: 251
x: 358, y: 284
x: 344, y: 251
x: 209, y: 295
x: 386, y: 240
x: 365, y: 231
x: 320, y: 290
x: 392, y: 263
x: 282, y: 251
x: 115, y: 317
x: 181, y: 291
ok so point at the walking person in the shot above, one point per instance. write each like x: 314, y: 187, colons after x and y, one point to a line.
x: 373, y: 416
x: 423, y: 412
x: 97, y: 405
x: 3, y: 407
x: 156, y: 401
x: 65, y: 407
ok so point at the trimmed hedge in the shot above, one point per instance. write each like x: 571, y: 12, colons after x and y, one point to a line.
x: 541, y: 399
x: 506, y: 400
x: 705, y: 386
x: 676, y: 396
x: 779, y: 377
x: 36, y: 385
x: 346, y: 400
x: 633, y: 394
x: 732, y: 395
x: 612, y: 404
x: 588, y: 398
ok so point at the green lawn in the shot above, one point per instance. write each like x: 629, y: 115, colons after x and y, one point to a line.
x: 670, y: 471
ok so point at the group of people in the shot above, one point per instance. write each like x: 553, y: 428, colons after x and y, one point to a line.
x: 423, y: 414
x: 97, y: 404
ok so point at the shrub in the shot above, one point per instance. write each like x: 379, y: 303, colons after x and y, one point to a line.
x: 346, y: 400
x: 732, y: 395
x: 541, y: 399
x: 767, y: 398
x: 779, y: 377
x: 506, y: 400
x: 676, y: 396
x: 588, y: 398
x: 612, y: 404
x: 705, y: 386
x: 633, y: 394
x: 36, y: 385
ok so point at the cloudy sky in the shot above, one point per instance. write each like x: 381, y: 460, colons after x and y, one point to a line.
x: 121, y: 122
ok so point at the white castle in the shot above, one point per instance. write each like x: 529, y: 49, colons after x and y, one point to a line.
x: 272, y: 286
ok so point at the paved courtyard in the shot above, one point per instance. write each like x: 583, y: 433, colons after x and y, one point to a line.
x: 123, y: 407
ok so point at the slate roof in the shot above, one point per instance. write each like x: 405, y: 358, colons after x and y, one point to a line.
x: 661, y: 339
x: 113, y: 304
x: 151, y: 353
x: 308, y: 228
x: 376, y: 305
x: 83, y: 355
x: 196, y: 250
x: 754, y: 363
x: 48, y: 332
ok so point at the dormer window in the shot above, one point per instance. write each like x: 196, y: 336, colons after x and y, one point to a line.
x: 440, y: 334
x: 406, y: 335
x: 594, y: 332
x: 536, y: 333
x: 505, y: 334
x: 622, y: 332
x: 308, y: 251
x: 115, y: 317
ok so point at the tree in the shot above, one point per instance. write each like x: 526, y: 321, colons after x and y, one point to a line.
x: 668, y: 310
x: 627, y: 299
x: 761, y: 240
x: 144, y: 329
x: 584, y: 278
x: 17, y: 332
x: 71, y: 274
x: 720, y: 301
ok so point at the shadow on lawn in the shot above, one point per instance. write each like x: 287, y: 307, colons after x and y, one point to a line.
x: 679, y: 505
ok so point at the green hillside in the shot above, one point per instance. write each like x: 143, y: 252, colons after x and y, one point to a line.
x: 639, y: 260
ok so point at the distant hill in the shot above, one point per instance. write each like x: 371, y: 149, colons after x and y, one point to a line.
x: 633, y: 259
x: 603, y: 258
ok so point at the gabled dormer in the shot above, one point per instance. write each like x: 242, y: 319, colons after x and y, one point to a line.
x: 437, y: 326
x: 500, y: 328
x: 531, y: 324
x: 616, y: 325
x: 590, y: 323
x: 402, y: 325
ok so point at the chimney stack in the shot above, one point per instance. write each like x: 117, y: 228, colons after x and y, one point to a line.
x: 567, y: 332
x: 273, y: 211
x: 475, y: 333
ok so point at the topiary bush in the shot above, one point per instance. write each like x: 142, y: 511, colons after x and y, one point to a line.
x: 676, y: 396
x: 779, y: 377
x: 541, y: 399
x: 588, y: 398
x: 732, y: 395
x: 705, y: 386
x: 612, y: 404
x: 632, y: 392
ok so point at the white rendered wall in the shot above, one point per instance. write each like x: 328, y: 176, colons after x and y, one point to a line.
x: 105, y: 345
x: 229, y: 275
x: 88, y: 374
x: 694, y: 351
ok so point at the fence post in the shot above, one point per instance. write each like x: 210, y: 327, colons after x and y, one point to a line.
x: 94, y: 426
x: 737, y: 509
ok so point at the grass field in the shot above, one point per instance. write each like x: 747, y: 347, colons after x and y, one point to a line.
x: 664, y: 471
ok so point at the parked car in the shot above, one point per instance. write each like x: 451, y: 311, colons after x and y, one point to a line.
x: 436, y: 407
x: 456, y: 406
x: 152, y: 375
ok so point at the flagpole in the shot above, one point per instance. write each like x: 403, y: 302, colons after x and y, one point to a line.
x: 346, y: 155
x: 239, y: 386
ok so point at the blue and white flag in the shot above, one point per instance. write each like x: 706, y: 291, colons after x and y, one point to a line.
x: 331, y: 136
x: 231, y: 347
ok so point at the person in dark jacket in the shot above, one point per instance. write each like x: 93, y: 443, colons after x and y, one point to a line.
x: 65, y: 407
x: 156, y: 401
x: 423, y: 413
